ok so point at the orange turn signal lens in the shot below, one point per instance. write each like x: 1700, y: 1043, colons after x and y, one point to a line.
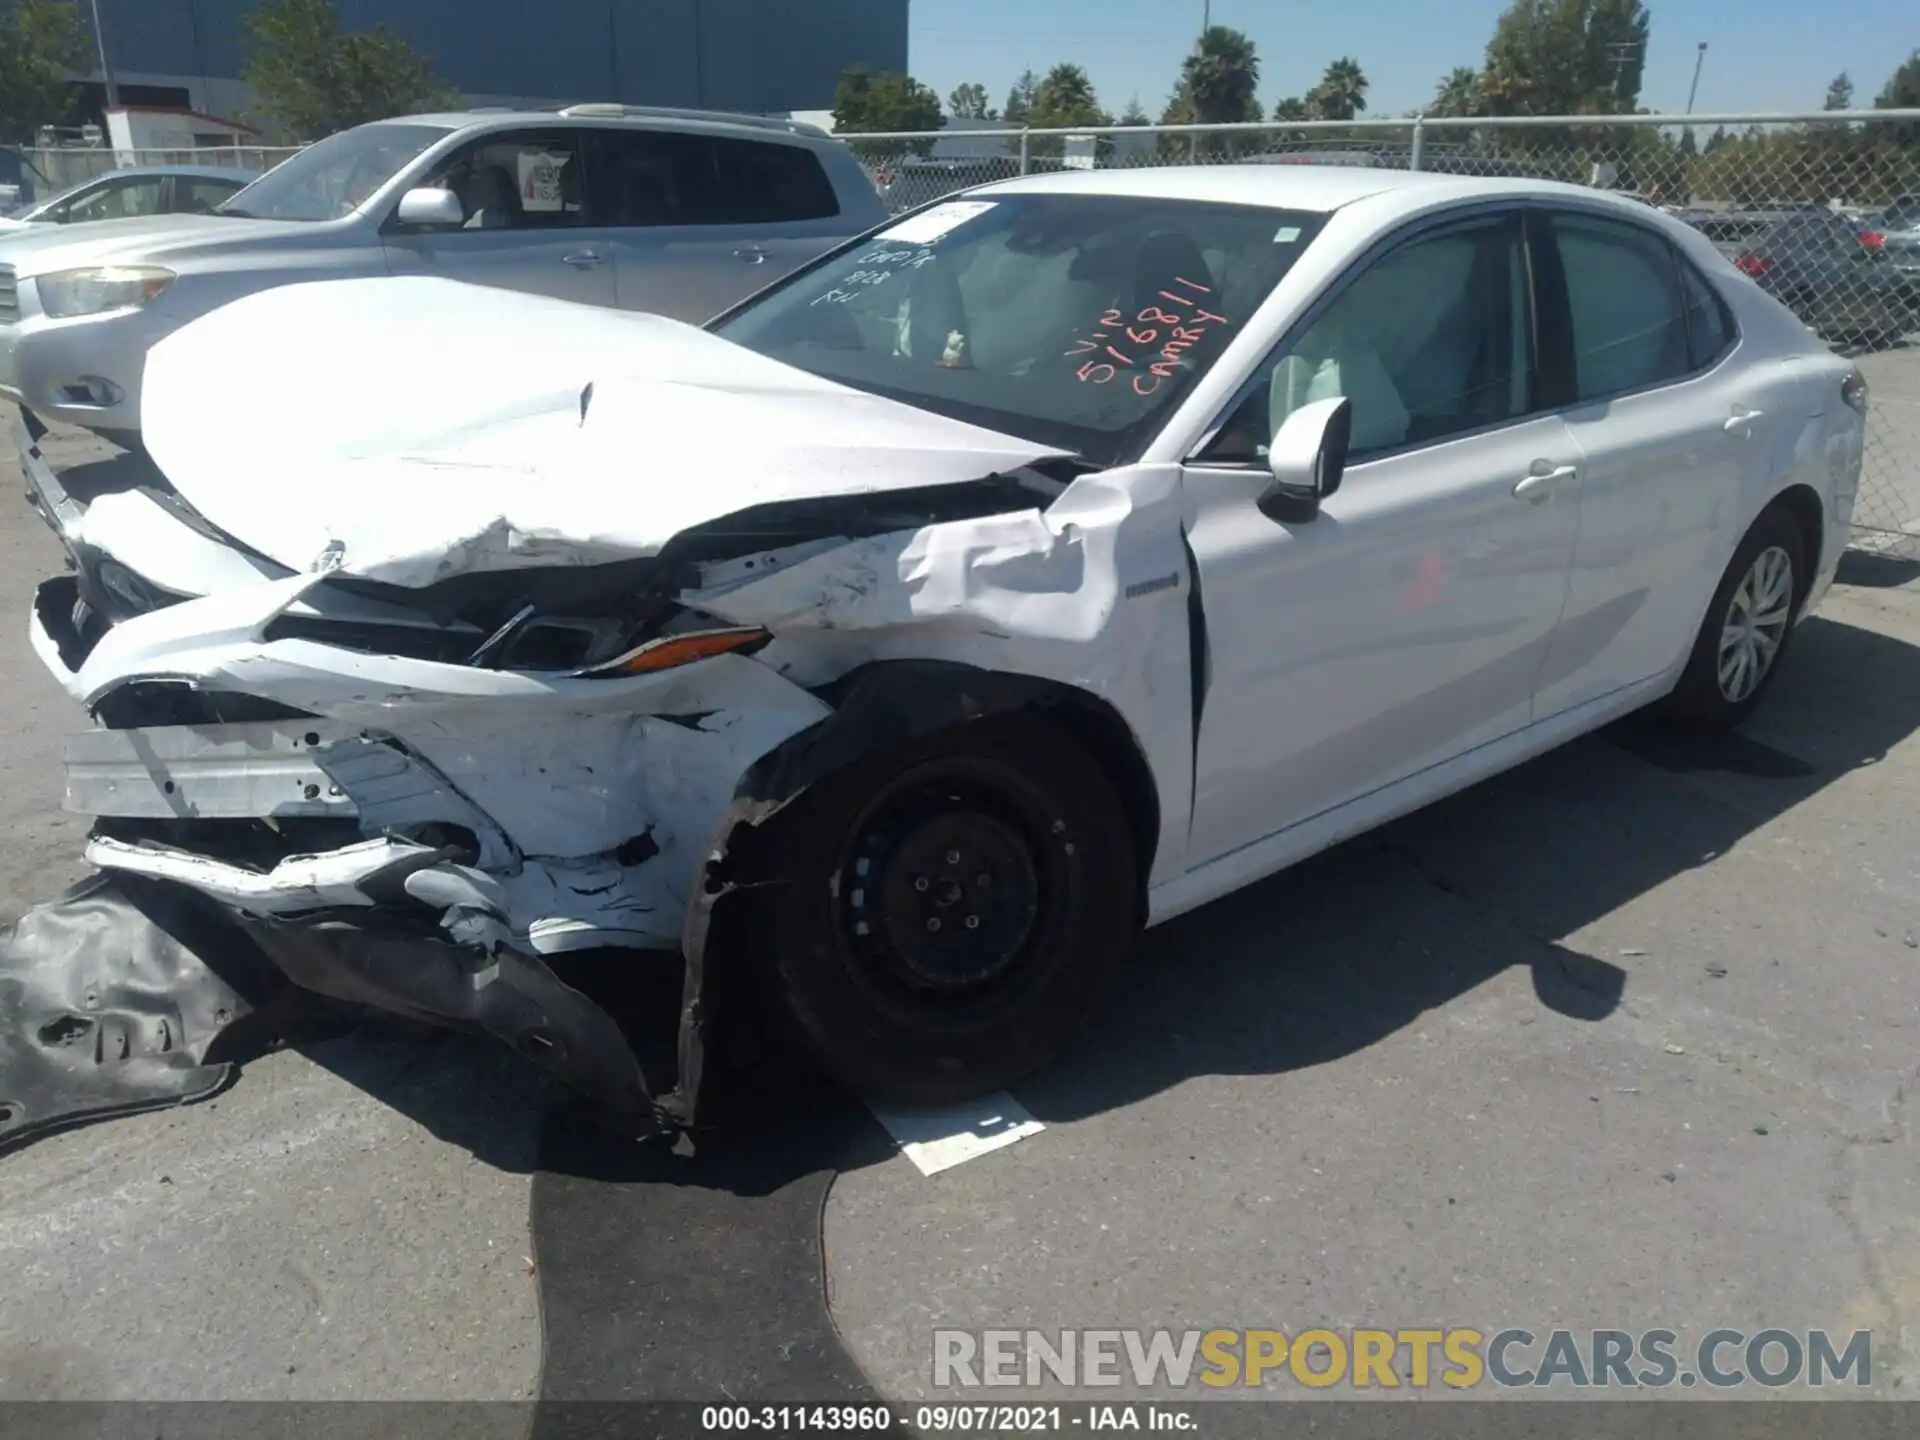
x: 670, y: 651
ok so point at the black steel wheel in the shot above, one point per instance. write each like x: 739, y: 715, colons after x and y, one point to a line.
x: 948, y: 912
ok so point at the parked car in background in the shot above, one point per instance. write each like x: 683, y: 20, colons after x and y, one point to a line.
x: 1059, y: 558
x: 1814, y: 262
x: 135, y: 192
x: 1895, y: 233
x: 1732, y: 231
x: 913, y: 183
x: 675, y: 211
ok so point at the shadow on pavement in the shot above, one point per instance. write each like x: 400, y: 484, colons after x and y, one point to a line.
x: 1876, y: 572
x: 1316, y: 963
x: 1340, y: 952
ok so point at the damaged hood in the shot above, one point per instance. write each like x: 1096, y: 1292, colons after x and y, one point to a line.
x: 410, y: 429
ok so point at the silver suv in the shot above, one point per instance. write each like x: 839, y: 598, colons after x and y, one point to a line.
x: 674, y: 211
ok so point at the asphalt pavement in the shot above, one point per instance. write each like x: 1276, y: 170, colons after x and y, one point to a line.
x: 1625, y: 1038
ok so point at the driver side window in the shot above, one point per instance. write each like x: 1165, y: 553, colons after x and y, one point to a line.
x: 1431, y: 340
x: 516, y: 181
x: 117, y: 200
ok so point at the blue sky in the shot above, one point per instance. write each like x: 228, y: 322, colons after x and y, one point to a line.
x: 1769, y: 55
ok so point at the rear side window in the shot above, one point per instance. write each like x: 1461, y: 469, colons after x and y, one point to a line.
x: 761, y: 183
x: 660, y: 178
x: 1710, y: 327
x: 1623, y: 295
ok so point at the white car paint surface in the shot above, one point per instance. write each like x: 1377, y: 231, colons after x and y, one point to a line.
x: 1524, y: 545
x: 455, y: 453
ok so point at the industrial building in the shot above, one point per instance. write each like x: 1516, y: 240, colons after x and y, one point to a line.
x: 765, y: 56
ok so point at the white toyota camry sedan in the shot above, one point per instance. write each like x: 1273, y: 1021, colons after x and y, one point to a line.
x: 1049, y: 562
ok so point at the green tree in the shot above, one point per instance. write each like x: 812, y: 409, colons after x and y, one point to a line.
x: 1566, y: 57
x: 1222, y: 78
x: 314, y: 78
x: 1019, y: 106
x: 969, y: 102
x: 1458, y: 94
x: 865, y: 101
x: 1839, y: 97
x: 1901, y: 92
x: 40, y: 40
x: 1341, y: 93
x: 1135, y: 113
x: 1065, y: 98
x: 1219, y: 85
x: 1291, y: 107
x: 1020, y: 98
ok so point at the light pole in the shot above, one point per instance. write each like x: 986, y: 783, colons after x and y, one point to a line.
x: 1206, y: 16
x: 106, y: 70
x: 1623, y: 51
x: 1699, y: 57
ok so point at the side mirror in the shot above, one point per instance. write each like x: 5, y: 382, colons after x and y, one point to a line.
x: 1308, y: 456
x: 430, y: 205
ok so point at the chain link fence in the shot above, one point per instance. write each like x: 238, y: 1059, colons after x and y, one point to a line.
x: 1821, y: 210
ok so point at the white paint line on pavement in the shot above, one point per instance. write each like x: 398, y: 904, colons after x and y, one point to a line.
x: 936, y: 1140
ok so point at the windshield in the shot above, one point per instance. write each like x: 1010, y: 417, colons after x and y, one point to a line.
x: 1075, y: 321
x: 334, y: 176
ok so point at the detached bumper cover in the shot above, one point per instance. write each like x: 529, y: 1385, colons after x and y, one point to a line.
x: 112, y: 1001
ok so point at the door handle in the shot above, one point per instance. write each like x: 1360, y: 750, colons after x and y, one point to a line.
x: 1741, y: 418
x: 752, y: 254
x: 1544, y: 480
x: 582, y: 259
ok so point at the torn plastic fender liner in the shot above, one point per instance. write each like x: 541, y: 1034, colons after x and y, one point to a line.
x: 875, y: 707
x: 396, y: 926
x: 112, y: 1000
x: 484, y: 987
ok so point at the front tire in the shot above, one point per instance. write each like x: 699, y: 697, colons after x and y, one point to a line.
x: 1748, y: 628
x: 949, y: 911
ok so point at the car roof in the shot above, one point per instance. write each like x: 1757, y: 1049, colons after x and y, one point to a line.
x: 638, y: 117
x: 1322, y: 188
x: 199, y: 172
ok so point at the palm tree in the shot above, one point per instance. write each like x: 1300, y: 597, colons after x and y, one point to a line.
x: 1221, y: 78
x: 1458, y: 93
x: 1341, y: 93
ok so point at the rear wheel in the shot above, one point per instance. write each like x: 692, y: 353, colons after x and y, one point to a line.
x: 1748, y: 627
x: 949, y: 911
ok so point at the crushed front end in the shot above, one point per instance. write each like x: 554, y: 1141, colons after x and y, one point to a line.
x: 408, y: 799
x: 410, y: 796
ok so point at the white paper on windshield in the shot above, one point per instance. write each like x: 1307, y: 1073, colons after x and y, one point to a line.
x: 929, y: 225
